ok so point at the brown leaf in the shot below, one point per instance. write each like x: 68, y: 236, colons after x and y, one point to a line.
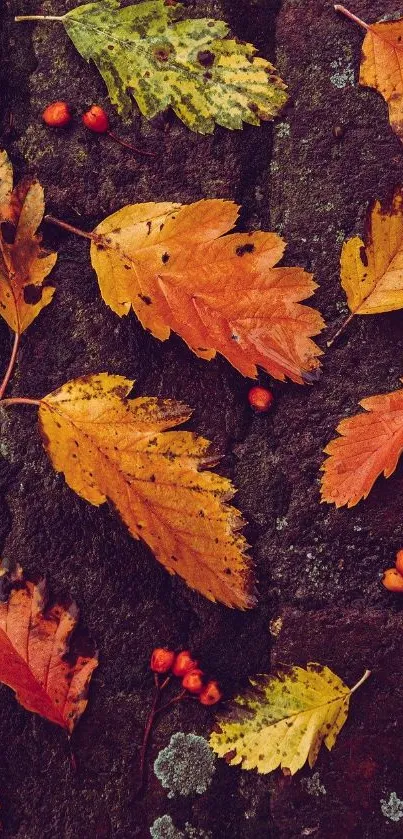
x: 23, y: 264
x: 34, y: 654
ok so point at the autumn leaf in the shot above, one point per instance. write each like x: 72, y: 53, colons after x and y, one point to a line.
x: 382, y: 64
x: 370, y: 443
x: 147, y: 51
x: 283, y: 720
x: 23, y: 264
x: 35, y: 659
x: 122, y: 450
x: 175, y: 268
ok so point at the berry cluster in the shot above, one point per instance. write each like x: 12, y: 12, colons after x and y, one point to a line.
x: 393, y: 577
x: 58, y: 115
x: 186, y: 668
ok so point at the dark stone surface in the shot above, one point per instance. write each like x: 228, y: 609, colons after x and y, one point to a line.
x: 318, y: 568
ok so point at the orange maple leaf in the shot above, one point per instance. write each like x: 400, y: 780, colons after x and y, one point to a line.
x: 178, y: 271
x: 123, y: 450
x: 34, y: 653
x: 370, y: 443
x: 382, y: 63
x: 23, y: 264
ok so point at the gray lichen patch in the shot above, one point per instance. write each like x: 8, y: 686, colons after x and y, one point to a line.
x: 186, y: 765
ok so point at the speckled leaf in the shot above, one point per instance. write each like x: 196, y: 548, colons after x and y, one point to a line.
x: 35, y: 657
x: 221, y: 293
x: 147, y: 52
x: 23, y: 264
x: 122, y: 450
x: 283, y: 720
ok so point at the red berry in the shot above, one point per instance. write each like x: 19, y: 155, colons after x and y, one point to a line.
x: 57, y: 114
x: 183, y: 663
x: 211, y: 694
x: 162, y: 660
x: 260, y: 398
x: 96, y: 119
x: 399, y: 562
x: 193, y: 681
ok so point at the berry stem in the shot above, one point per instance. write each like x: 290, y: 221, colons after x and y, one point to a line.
x: 71, y: 229
x: 177, y: 698
x: 21, y: 18
x: 361, y: 681
x: 129, y: 145
x: 340, y: 330
x: 354, y: 18
x: 148, y: 728
x: 20, y: 400
x: 11, y: 365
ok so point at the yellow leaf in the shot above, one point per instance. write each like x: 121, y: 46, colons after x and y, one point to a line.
x: 382, y: 63
x: 370, y: 443
x: 372, y: 273
x: 23, y: 263
x: 113, y: 448
x: 283, y: 720
x: 173, y: 265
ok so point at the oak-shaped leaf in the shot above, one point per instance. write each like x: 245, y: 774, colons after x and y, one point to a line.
x: 370, y: 443
x: 178, y: 271
x: 282, y: 720
x: 382, y: 63
x: 150, y: 52
x: 23, y: 263
x: 38, y: 660
x: 372, y: 270
x: 123, y: 450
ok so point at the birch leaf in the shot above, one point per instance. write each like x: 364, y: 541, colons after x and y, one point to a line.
x: 283, y: 720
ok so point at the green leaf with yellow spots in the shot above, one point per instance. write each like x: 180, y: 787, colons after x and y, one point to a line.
x: 283, y: 720
x: 149, y: 52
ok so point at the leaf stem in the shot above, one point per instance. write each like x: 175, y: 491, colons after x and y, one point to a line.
x: 354, y: 18
x: 361, y: 681
x: 340, y: 330
x: 71, y: 229
x: 20, y: 18
x: 11, y: 365
x: 129, y: 145
x: 147, y: 731
x: 19, y: 400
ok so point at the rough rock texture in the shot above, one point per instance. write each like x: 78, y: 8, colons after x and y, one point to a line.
x: 318, y: 568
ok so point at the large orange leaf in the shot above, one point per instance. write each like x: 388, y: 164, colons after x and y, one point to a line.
x: 175, y: 268
x: 23, y: 264
x: 113, y: 448
x: 382, y: 64
x: 34, y: 654
x: 370, y: 443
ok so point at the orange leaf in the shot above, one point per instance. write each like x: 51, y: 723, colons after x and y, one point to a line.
x: 113, y: 448
x: 173, y: 265
x: 382, y: 64
x: 34, y: 654
x: 23, y: 264
x: 369, y: 444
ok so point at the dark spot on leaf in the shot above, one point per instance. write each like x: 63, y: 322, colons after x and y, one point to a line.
x: 145, y: 299
x: 206, y: 58
x: 165, y: 257
x: 363, y: 256
x: 32, y: 294
x: 246, y: 248
x: 161, y: 54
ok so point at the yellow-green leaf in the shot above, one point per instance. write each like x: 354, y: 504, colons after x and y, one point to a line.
x: 283, y: 720
x: 148, y: 52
